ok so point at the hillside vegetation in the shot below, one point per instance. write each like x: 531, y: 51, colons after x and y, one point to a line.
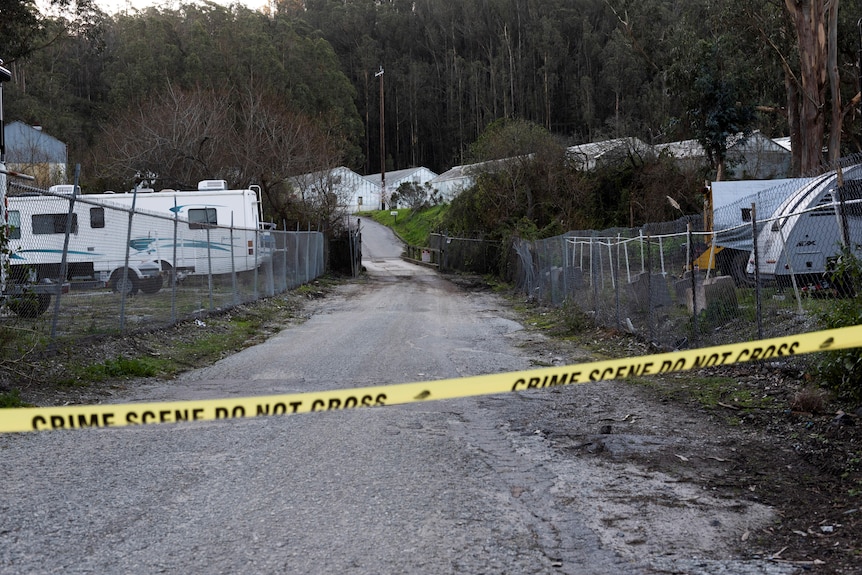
x: 254, y: 97
x: 412, y: 226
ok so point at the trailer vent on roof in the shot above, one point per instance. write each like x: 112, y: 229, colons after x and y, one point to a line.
x: 206, y: 185
x: 63, y: 189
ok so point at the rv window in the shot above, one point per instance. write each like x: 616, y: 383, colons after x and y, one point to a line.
x: 14, y: 217
x: 53, y: 223
x: 202, y: 218
x: 97, y: 217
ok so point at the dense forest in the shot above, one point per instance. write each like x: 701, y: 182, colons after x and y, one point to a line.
x: 202, y: 91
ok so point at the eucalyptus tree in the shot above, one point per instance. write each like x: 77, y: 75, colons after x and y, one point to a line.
x: 815, y: 52
x: 19, y: 28
x: 27, y: 26
x: 812, y: 43
x: 52, y: 50
x: 210, y: 47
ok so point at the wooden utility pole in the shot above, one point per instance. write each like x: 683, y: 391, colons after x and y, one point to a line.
x: 382, y: 146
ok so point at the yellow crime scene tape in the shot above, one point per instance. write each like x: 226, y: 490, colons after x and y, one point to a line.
x: 121, y: 415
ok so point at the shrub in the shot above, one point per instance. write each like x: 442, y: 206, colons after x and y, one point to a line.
x: 841, y: 370
x: 11, y: 399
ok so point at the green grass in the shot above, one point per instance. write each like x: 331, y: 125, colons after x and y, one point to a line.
x: 121, y: 368
x: 412, y: 226
x: 225, y: 336
x: 566, y: 322
x: 221, y: 335
x: 163, y: 354
x: 11, y: 399
x: 18, y: 341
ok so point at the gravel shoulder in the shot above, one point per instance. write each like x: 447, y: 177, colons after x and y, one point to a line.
x: 736, y: 436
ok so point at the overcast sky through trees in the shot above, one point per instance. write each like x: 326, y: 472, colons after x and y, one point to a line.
x: 115, y: 6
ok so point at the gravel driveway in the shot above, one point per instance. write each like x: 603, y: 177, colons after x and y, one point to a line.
x: 498, y: 484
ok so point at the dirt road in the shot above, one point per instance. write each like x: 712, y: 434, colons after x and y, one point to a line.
x: 560, y: 481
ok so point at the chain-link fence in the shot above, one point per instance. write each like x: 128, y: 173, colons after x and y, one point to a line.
x: 451, y: 254
x: 466, y: 254
x: 143, y: 260
x: 767, y: 267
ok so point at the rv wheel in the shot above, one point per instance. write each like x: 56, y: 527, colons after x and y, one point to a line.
x: 30, y: 305
x: 152, y: 285
x: 125, y: 281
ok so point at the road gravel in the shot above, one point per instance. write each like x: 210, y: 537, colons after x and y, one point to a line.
x: 497, y: 484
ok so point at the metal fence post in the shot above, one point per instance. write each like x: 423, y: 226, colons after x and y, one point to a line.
x: 643, y: 260
x: 628, y: 267
x: 284, y: 251
x: 256, y: 251
x: 210, y: 266
x: 234, y: 285
x: 126, y: 266
x: 565, y: 266
x: 296, y: 281
x: 757, y: 290
x: 351, y: 240
x: 594, y: 282
x: 650, y: 325
x: 307, y: 253
x: 64, y: 259
x: 601, y: 263
x: 661, y: 255
x: 270, y: 272
x: 615, y: 278
x: 174, y: 279
x: 693, y: 272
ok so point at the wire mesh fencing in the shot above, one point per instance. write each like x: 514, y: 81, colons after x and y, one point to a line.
x: 768, y: 266
x: 123, y: 262
x: 466, y: 254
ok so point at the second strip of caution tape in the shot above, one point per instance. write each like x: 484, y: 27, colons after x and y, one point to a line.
x: 128, y: 414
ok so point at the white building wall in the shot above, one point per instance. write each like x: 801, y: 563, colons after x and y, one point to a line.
x: 354, y: 192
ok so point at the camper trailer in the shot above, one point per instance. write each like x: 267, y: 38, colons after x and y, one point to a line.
x: 802, y: 226
x: 727, y: 217
x: 169, y: 233
x: 809, y: 230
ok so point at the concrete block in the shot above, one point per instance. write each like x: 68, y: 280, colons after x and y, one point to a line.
x: 659, y: 294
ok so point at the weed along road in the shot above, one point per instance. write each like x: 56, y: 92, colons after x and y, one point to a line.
x: 491, y: 484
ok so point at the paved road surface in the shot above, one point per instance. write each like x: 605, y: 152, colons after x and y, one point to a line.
x: 442, y: 487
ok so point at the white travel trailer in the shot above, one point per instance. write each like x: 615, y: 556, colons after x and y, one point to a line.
x: 802, y: 225
x: 173, y: 233
x: 807, y: 231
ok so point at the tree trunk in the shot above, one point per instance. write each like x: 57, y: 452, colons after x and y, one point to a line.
x: 792, y: 90
x: 835, y: 126
x: 809, y: 20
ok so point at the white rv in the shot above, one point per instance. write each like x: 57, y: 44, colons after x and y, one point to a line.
x: 212, y: 230
x: 802, y: 225
x: 810, y: 227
